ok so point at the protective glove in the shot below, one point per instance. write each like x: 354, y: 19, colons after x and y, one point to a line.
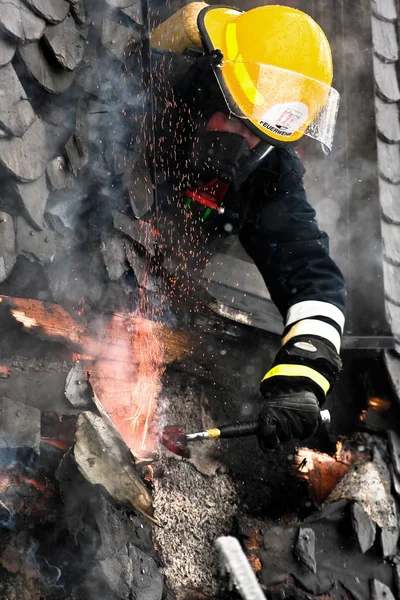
x: 304, y: 371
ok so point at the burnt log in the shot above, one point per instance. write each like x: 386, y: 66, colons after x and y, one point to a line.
x: 52, y: 322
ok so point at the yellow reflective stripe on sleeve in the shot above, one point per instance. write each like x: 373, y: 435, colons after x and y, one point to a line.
x: 299, y: 371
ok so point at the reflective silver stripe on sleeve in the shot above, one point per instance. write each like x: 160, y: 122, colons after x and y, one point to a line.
x: 314, y: 327
x: 315, y: 308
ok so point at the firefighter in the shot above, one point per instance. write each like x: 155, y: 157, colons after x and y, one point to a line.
x: 258, y: 82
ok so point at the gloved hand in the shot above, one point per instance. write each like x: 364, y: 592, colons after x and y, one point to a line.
x: 290, y: 411
x: 294, y: 390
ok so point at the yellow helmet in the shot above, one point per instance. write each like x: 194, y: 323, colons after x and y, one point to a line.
x: 275, y: 71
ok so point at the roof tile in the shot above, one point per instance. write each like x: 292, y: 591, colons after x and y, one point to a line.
x: 385, y: 10
x: 384, y: 37
x: 391, y: 245
x: 387, y: 85
x: 389, y: 196
x: 387, y: 121
x: 389, y: 162
x: 392, y: 284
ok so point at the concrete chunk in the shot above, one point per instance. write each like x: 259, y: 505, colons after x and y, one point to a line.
x: 113, y: 251
x: 305, y: 548
x: 16, y: 112
x: 7, y: 245
x: 389, y: 539
x: 7, y: 49
x: 52, y: 11
x: 59, y: 175
x: 77, y: 389
x: 364, y: 527
x: 19, y: 22
x: 66, y: 43
x: 26, y: 157
x: 51, y: 78
x: 19, y: 426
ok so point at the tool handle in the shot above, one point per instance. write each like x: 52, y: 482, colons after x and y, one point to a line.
x: 238, y: 429
x: 251, y: 427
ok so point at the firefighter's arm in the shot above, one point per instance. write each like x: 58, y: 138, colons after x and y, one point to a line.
x: 292, y: 254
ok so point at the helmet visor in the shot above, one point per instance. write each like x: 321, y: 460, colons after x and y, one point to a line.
x: 283, y: 104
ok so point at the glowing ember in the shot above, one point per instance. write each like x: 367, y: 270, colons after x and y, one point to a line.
x: 379, y: 404
x: 128, y: 392
x: 4, y: 371
x: 322, y: 471
x: 56, y: 443
x: 22, y: 318
x: 5, y: 481
x: 255, y: 563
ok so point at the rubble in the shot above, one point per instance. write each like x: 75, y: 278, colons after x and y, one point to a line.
x: 27, y: 434
x: 52, y: 11
x: 77, y: 389
x: 113, y: 251
x: 103, y: 459
x: 59, y: 175
x: 78, y: 11
x: 364, y: 527
x: 19, y: 22
x: 66, y: 43
x: 364, y: 484
x: 305, y: 548
x: 389, y: 539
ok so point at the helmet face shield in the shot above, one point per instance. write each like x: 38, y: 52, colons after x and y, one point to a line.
x: 282, y: 105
